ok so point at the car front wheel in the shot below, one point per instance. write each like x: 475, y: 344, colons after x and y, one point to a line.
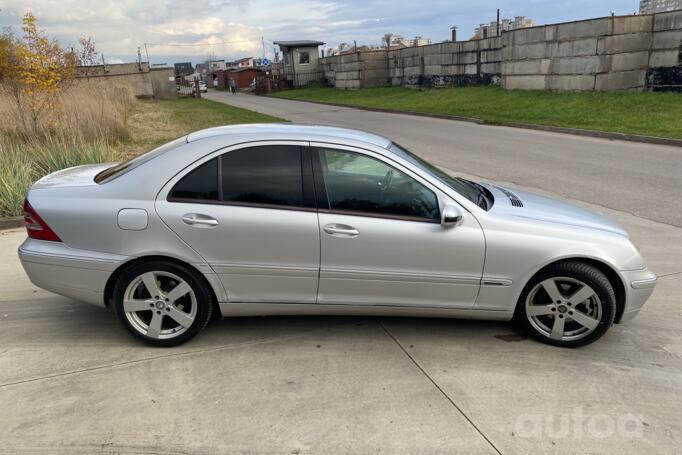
x: 569, y: 304
x: 162, y: 303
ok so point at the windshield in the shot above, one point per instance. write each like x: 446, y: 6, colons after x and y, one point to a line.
x: 470, y: 190
x: 126, y: 166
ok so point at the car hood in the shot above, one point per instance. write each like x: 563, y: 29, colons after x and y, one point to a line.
x: 525, y: 204
x: 73, y: 176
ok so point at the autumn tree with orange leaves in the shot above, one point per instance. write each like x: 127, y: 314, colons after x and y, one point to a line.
x: 35, y: 70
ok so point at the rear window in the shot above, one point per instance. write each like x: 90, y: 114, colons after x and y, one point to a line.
x: 127, y: 166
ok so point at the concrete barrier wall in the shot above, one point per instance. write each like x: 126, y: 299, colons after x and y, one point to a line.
x: 144, y: 82
x: 612, y: 53
x: 356, y: 70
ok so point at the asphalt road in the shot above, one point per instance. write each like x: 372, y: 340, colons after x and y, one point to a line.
x: 642, y: 179
x: 73, y: 382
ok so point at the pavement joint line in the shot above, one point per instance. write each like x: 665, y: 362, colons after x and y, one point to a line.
x: 153, y: 358
x: 669, y: 274
x: 438, y: 387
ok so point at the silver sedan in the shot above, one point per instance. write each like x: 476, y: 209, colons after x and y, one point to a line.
x: 293, y: 219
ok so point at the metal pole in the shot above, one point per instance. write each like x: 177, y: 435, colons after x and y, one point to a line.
x: 498, y: 22
x: 147, y: 53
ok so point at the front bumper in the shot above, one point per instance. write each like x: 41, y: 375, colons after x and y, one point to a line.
x: 78, y: 274
x: 639, y: 285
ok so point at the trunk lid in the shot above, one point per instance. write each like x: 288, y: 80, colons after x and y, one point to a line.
x: 74, y: 176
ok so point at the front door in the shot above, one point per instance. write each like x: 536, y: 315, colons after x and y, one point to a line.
x: 382, y: 242
x: 250, y: 213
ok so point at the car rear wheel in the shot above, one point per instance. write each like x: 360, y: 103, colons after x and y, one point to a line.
x: 569, y: 304
x: 162, y: 303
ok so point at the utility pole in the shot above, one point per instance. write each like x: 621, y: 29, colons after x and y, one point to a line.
x: 262, y: 41
x: 147, y: 53
x: 498, y: 22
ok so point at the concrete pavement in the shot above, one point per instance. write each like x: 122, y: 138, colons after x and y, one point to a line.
x: 642, y: 179
x: 73, y: 381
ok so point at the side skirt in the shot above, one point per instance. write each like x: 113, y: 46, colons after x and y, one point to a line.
x: 281, y: 309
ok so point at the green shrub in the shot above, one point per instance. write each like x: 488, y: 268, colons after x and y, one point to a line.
x: 22, y: 163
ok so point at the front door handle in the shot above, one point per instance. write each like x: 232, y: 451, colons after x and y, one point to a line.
x: 341, y: 230
x: 198, y: 219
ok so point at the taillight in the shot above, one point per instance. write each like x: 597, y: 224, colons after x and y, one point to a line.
x: 36, y: 227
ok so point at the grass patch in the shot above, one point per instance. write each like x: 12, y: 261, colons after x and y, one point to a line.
x: 26, y: 158
x: 648, y: 114
x: 156, y: 122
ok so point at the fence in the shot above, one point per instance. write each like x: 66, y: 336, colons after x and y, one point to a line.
x: 639, y: 52
x: 295, y: 79
x: 187, y: 88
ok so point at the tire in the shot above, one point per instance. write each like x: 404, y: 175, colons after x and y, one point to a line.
x: 568, y: 304
x: 162, y: 303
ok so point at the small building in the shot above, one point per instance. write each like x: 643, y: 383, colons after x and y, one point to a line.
x: 183, y: 69
x: 300, y: 55
x: 242, y: 76
x: 202, y: 70
x: 217, y: 65
x: 246, y: 62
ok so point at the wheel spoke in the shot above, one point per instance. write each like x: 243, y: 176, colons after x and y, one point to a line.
x: 155, y: 325
x: 178, y: 291
x: 584, y: 320
x: 581, y: 295
x: 539, y: 310
x: 151, y: 284
x: 552, y: 290
x: 180, y: 317
x: 137, y: 305
x: 558, y: 328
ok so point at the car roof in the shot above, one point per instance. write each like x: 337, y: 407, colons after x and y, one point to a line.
x: 302, y: 131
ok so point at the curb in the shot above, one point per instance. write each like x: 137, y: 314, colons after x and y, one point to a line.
x: 11, y: 222
x: 528, y: 126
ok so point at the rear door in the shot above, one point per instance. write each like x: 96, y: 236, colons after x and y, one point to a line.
x: 250, y: 212
x: 382, y: 242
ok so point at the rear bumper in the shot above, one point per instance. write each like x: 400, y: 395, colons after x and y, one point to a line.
x: 639, y: 285
x: 78, y: 274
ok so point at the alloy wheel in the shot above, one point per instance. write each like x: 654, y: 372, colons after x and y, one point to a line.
x: 563, y: 308
x: 160, y: 305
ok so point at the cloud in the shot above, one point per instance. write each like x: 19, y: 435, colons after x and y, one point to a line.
x: 118, y: 27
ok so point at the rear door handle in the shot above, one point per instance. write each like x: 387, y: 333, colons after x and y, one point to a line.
x: 341, y: 230
x: 198, y: 219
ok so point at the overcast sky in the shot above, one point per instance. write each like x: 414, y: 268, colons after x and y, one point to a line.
x: 118, y: 27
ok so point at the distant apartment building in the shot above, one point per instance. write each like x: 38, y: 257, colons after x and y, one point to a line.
x: 658, y: 6
x: 490, y: 29
x: 421, y: 41
x: 392, y: 41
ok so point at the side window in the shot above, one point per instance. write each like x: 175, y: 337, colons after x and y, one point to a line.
x: 199, y: 184
x: 270, y: 175
x: 303, y: 58
x: 359, y: 183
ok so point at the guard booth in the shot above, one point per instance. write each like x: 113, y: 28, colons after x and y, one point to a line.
x: 300, y: 63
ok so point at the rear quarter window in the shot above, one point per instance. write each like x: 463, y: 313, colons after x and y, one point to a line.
x: 119, y: 169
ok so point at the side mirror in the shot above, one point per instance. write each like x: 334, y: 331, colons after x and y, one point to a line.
x: 452, y: 216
